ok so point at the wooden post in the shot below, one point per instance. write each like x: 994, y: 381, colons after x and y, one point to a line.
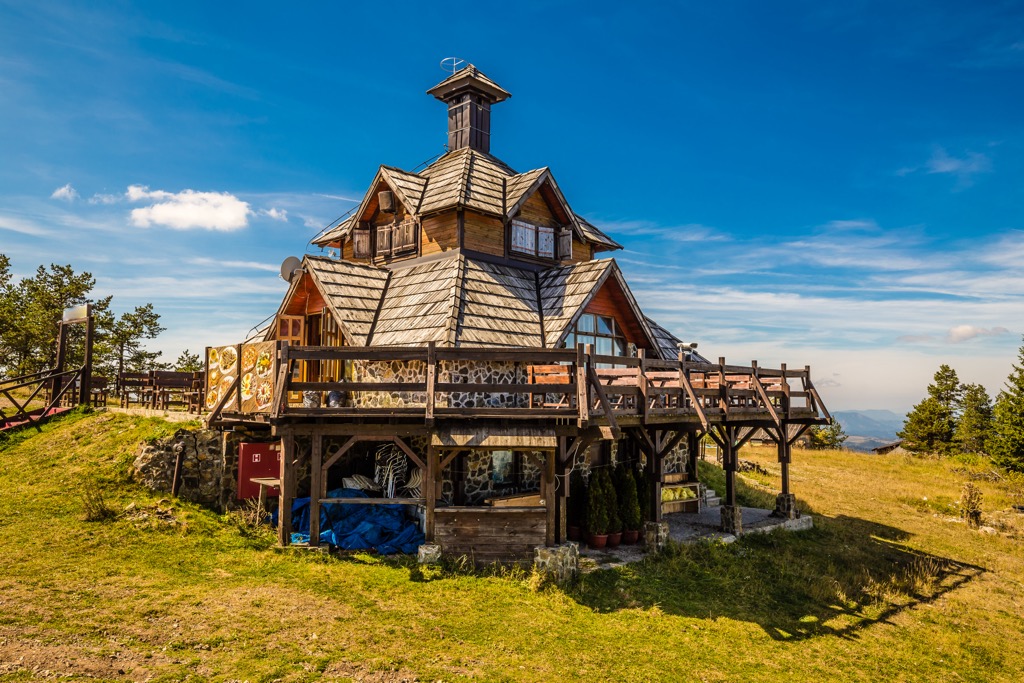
x: 316, y: 484
x: 429, y: 493
x: 549, y: 496
x: 284, y: 502
x: 562, y: 499
x: 692, y: 447
x: 62, y: 352
x: 729, y: 461
x: 656, y: 475
x: 431, y: 381
x: 643, y: 385
x: 86, y: 379
x: 785, y: 454
x: 582, y: 388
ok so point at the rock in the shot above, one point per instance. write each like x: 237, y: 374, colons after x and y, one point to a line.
x: 987, y: 530
x: 429, y: 553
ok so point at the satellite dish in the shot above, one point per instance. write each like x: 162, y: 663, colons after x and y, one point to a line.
x: 451, y: 64
x: 289, y: 268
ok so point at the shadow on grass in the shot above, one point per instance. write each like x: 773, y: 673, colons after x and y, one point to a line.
x: 842, y: 576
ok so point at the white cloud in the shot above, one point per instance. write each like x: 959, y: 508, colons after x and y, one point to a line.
x: 245, y: 265
x: 104, y: 199
x: 189, y: 209
x: 312, y: 222
x: 275, y: 213
x: 65, y: 193
x: 689, y: 232
x: 962, y: 333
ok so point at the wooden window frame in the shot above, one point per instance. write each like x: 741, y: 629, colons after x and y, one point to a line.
x: 518, y: 223
x: 572, y: 337
x: 389, y: 233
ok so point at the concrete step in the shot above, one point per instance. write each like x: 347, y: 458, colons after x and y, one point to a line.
x: 711, y: 499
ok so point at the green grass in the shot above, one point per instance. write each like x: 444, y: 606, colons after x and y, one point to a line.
x: 884, y: 587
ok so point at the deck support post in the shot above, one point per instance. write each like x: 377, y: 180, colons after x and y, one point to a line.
x: 785, y: 502
x: 732, y: 517
x: 655, y: 468
x: 562, y: 493
x: 548, y: 489
x: 430, y: 493
x: 284, y: 512
x: 692, y: 449
x: 316, y: 486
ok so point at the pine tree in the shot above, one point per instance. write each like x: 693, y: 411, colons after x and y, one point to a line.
x: 930, y: 426
x: 1008, y: 439
x: 826, y: 438
x: 975, y: 423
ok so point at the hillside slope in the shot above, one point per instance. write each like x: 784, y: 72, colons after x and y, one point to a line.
x: 886, y: 587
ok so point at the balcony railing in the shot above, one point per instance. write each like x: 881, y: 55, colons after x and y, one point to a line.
x: 275, y: 380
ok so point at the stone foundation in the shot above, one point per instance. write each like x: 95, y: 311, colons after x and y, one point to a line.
x: 785, y: 506
x: 207, y: 476
x: 655, y: 535
x: 732, y: 519
x: 429, y: 553
x: 561, y: 563
x: 454, y: 372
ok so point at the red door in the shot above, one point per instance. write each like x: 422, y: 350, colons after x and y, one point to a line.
x: 257, y: 460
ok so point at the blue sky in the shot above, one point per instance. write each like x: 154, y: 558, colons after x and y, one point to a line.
x: 837, y: 184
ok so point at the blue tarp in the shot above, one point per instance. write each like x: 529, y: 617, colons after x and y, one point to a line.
x: 351, y: 526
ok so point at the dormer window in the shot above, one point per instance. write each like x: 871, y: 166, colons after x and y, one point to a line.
x: 540, y: 241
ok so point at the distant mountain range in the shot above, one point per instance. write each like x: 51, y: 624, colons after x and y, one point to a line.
x: 869, y: 428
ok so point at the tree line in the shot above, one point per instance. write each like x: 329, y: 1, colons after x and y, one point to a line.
x: 962, y: 418
x: 30, y: 314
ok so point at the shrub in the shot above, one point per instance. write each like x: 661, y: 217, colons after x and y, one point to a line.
x: 577, y: 499
x: 611, y: 502
x: 597, y: 506
x: 629, y: 504
x: 643, y: 494
x: 95, y: 506
x: 970, y: 505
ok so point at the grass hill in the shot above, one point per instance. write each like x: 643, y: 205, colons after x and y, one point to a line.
x: 889, y: 585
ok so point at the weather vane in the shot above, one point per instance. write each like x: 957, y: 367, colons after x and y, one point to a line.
x: 451, y: 64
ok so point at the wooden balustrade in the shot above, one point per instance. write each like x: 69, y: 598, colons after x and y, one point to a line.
x: 553, y: 384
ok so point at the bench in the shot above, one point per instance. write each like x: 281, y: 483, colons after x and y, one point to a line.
x: 169, y: 388
x: 135, y: 387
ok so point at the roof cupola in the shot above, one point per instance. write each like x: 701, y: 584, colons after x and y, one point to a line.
x: 469, y: 95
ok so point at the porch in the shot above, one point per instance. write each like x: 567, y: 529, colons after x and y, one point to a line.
x: 559, y: 409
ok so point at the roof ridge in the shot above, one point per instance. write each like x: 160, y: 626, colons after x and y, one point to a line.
x: 456, y: 293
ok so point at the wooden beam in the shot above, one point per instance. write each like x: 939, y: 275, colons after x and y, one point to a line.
x: 582, y: 389
x: 409, y: 452
x: 603, y: 399
x: 340, y: 452
x: 697, y: 403
x: 284, y: 513
x: 316, y: 488
x: 549, y: 497
x: 764, y: 394
x: 430, y: 494
x: 431, y: 382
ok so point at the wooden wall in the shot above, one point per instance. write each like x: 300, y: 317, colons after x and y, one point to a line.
x: 535, y: 210
x: 611, y: 301
x: 490, y: 534
x: 484, y: 233
x: 439, y: 233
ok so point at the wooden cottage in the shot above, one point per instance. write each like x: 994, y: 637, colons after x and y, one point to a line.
x: 464, y: 331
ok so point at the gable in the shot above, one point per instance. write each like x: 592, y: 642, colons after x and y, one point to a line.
x: 612, y: 302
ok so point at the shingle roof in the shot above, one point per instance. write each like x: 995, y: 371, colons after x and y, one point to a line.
x: 456, y: 301
x: 469, y: 179
x: 564, y: 290
x: 352, y: 292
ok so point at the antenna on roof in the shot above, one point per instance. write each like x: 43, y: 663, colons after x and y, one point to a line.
x: 451, y: 64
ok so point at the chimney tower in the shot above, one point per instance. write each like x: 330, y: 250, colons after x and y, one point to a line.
x: 469, y: 95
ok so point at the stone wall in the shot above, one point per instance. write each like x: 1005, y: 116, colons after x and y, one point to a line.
x: 479, y: 484
x: 454, y: 372
x: 209, y: 475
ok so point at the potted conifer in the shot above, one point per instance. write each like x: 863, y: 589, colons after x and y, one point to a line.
x: 643, y: 495
x: 614, y: 520
x: 629, y: 506
x: 597, y: 513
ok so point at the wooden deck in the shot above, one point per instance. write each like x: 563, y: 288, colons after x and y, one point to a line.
x: 556, y: 387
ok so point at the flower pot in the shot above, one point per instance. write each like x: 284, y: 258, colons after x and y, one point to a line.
x: 614, y: 539
x: 597, y: 541
x: 575, y: 533
x: 630, y: 537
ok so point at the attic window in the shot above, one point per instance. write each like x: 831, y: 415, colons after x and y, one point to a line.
x: 600, y: 330
x: 533, y: 240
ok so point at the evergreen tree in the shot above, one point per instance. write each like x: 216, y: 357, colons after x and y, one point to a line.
x: 597, y: 505
x: 826, y: 438
x: 188, y: 362
x: 975, y: 423
x: 930, y: 426
x: 611, y: 501
x: 1007, y: 444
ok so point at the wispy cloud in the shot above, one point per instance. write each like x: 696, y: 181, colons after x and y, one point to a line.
x: 65, y: 193
x: 245, y: 265
x: 23, y: 227
x: 189, y: 209
x: 105, y: 199
x: 688, y: 232
x: 275, y: 214
x: 962, y: 333
x: 963, y: 168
